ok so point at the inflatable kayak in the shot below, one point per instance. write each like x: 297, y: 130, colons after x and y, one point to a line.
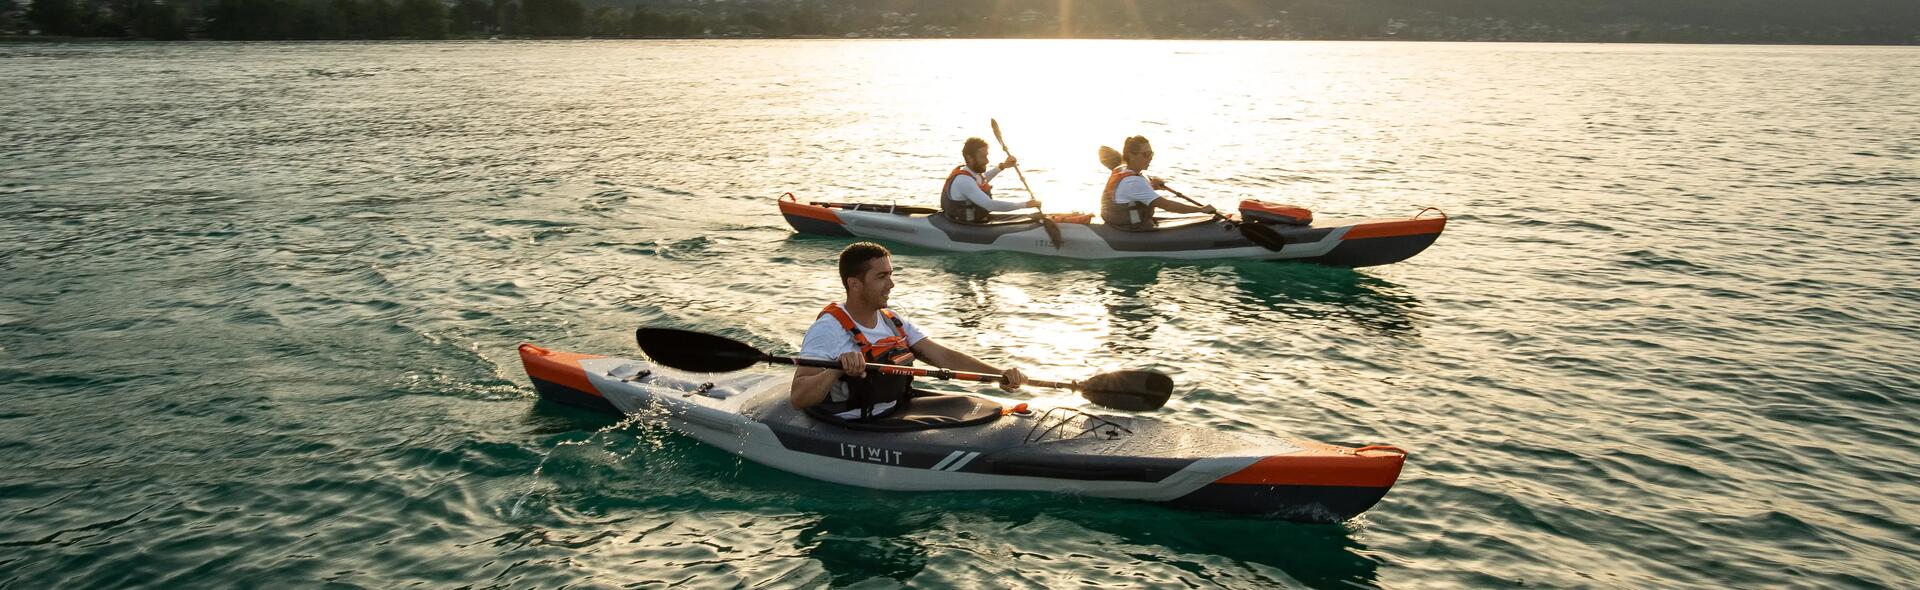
x: 1350, y: 244
x: 971, y: 442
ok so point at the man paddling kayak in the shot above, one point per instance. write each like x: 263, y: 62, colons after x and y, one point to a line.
x: 862, y: 330
x: 966, y: 197
x: 1129, y: 199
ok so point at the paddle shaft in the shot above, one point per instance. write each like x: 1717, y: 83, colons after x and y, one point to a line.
x: 1260, y: 235
x: 1021, y: 175
x: 1216, y: 213
x: 1053, y: 231
x: 1016, y: 169
x: 918, y: 372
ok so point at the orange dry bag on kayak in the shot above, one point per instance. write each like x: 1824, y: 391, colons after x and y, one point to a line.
x: 1264, y: 212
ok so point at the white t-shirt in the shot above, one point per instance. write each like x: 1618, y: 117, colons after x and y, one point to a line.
x: 964, y: 189
x: 1134, y: 189
x: 826, y: 340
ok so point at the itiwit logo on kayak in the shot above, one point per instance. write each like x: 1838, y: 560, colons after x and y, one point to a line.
x: 884, y: 456
x: 870, y: 454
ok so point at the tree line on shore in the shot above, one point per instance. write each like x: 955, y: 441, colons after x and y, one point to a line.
x: 242, y: 20
x: 1829, y: 21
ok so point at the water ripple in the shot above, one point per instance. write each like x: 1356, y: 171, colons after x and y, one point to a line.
x: 261, y: 303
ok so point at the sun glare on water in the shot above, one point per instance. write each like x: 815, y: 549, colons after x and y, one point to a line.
x: 1058, y: 101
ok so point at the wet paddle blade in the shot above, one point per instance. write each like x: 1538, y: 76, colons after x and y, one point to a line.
x: 1133, y: 390
x: 1053, y: 230
x: 696, y: 351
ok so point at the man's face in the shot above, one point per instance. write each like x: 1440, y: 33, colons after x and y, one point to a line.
x: 1140, y: 157
x: 875, y: 284
x: 977, y: 159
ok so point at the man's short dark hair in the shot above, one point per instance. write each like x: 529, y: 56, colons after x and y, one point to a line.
x: 971, y: 144
x: 856, y: 258
x: 1134, y: 143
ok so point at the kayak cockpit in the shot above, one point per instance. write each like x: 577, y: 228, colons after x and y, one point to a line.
x: 923, y: 411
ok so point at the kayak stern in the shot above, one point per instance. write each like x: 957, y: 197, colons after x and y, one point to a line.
x: 558, y: 377
x: 812, y: 219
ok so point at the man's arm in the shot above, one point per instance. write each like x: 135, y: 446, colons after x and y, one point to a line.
x: 811, y: 385
x: 947, y: 358
x: 978, y: 197
x: 997, y: 169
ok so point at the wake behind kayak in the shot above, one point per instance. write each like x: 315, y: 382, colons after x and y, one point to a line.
x: 971, y: 442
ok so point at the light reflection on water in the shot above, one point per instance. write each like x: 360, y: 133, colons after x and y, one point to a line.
x: 1664, y: 341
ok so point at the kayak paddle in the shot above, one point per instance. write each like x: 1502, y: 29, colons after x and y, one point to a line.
x: 1053, y: 230
x: 1260, y: 235
x: 1133, y: 390
x: 1110, y: 158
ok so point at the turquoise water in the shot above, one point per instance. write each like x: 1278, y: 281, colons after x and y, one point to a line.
x: 261, y: 301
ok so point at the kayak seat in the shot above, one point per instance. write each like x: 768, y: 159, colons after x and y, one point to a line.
x: 983, y: 233
x: 924, y: 411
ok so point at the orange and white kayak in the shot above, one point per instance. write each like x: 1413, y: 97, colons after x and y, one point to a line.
x: 974, y: 442
x: 1359, y: 243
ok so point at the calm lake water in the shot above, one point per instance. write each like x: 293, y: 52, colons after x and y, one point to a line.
x: 260, y: 305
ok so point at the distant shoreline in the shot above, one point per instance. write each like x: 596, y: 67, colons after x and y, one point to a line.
x: 54, y: 39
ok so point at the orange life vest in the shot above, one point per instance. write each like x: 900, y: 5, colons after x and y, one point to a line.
x: 962, y: 210
x: 1126, y: 216
x: 866, y: 391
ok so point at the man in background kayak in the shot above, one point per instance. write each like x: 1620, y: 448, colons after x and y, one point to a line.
x: 966, y: 197
x: 1129, y: 199
x: 862, y: 330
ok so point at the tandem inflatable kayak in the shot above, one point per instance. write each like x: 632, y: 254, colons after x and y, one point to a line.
x: 972, y: 442
x: 1350, y: 244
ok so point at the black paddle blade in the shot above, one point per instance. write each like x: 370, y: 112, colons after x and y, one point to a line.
x: 1262, y: 236
x: 696, y: 351
x: 1133, y: 390
x: 1053, y: 230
